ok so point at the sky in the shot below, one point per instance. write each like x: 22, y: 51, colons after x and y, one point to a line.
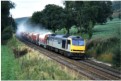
x: 25, y: 8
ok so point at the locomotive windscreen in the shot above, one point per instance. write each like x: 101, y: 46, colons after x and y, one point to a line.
x: 78, y: 42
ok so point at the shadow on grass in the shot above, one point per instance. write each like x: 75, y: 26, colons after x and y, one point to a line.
x: 18, y: 53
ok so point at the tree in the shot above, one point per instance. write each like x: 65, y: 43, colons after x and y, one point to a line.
x: 82, y: 14
x: 50, y: 17
x: 53, y: 12
x: 89, y: 13
x: 5, y: 7
x: 36, y: 17
x: 69, y: 19
x: 6, y: 20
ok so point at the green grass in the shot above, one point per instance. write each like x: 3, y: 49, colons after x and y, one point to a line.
x: 7, y: 63
x: 111, y: 28
x: 32, y: 66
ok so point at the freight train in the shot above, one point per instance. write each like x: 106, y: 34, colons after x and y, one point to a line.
x: 70, y: 46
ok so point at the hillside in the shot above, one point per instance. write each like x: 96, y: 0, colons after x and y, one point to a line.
x: 116, y: 6
x: 22, y: 19
x: 111, y: 28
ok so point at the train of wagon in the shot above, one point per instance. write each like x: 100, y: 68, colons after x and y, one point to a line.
x: 70, y: 46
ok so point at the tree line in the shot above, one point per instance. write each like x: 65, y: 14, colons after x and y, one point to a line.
x: 7, y: 22
x: 83, y: 14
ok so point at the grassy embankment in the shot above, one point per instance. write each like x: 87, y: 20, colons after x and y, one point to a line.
x: 32, y: 65
x: 105, y: 42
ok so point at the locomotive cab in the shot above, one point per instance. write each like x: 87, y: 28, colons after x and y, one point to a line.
x: 77, y: 45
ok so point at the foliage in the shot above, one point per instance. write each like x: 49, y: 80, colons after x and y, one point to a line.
x: 105, y: 42
x: 69, y: 19
x: 13, y: 25
x: 119, y: 16
x: 6, y: 20
x: 7, y: 35
x: 32, y: 66
x: 106, y: 57
x: 73, y: 30
x: 117, y: 57
x: 103, y: 49
x: 80, y: 13
x: 91, y: 12
x: 61, y: 31
x: 5, y: 7
x: 50, y: 17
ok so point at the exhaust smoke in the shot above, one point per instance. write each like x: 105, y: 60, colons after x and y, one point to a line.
x: 26, y: 27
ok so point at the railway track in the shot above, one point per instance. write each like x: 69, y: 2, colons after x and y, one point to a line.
x: 87, y: 68
x: 107, y: 68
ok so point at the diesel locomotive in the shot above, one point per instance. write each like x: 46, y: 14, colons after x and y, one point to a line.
x: 71, y: 46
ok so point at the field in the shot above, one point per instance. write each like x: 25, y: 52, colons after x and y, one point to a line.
x: 30, y: 64
x: 111, y: 28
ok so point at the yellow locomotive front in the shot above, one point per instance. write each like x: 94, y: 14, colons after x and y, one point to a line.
x: 77, y: 45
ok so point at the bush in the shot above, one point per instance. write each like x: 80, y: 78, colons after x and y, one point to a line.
x: 6, y: 34
x: 73, y: 30
x: 105, y: 49
x: 106, y: 57
x: 102, y: 44
x: 117, y: 57
x: 62, y: 31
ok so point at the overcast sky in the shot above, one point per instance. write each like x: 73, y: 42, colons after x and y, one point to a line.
x: 25, y: 8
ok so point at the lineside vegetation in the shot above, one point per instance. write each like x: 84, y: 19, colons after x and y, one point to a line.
x: 105, y: 42
x: 19, y: 62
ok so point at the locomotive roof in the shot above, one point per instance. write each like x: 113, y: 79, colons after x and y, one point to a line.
x: 64, y: 36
